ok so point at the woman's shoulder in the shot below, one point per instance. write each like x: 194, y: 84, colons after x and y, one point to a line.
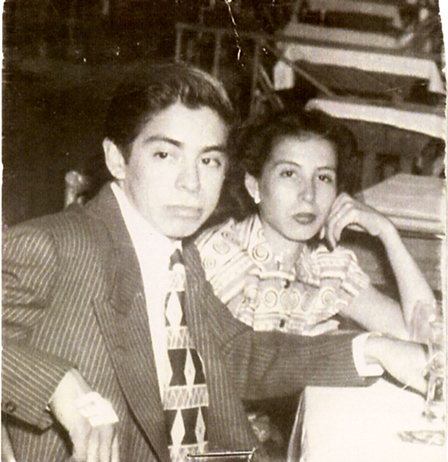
x: 224, y: 257
x: 229, y: 233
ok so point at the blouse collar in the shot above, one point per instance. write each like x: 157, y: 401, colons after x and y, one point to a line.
x: 262, y: 255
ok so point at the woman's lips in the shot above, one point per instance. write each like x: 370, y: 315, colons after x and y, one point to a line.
x: 305, y: 218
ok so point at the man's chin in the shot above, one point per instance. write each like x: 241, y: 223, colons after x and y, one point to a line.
x: 183, y: 228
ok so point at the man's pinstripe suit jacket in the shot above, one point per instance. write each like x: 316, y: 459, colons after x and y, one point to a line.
x: 73, y: 297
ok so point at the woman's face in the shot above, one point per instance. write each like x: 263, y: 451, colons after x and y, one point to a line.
x: 297, y: 187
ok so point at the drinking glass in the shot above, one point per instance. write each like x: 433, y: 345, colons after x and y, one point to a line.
x: 435, y: 403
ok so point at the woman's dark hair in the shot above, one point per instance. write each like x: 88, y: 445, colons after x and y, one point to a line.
x: 252, y: 144
x: 255, y: 141
x: 155, y: 88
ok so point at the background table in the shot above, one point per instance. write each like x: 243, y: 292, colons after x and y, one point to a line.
x: 417, y: 207
x: 426, y: 119
x: 340, y: 35
x: 353, y: 68
x: 389, y: 9
x: 361, y: 425
x: 413, y: 203
x: 398, y: 131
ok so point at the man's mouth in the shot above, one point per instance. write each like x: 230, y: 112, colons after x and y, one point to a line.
x: 187, y: 212
x: 305, y: 218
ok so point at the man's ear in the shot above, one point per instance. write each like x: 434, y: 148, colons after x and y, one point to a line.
x: 114, y: 160
x: 251, y: 184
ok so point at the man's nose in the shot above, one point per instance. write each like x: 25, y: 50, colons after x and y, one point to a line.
x: 188, y: 177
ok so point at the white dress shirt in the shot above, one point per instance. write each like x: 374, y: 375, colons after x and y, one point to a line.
x: 153, y: 252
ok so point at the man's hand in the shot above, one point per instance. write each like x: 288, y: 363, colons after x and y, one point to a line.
x: 405, y: 361
x: 93, y: 437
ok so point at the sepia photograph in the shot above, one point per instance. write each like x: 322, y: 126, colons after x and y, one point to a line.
x: 224, y: 231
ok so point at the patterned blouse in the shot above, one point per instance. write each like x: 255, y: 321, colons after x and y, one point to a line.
x: 245, y: 275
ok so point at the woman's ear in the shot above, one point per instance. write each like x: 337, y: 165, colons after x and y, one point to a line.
x: 251, y: 184
x: 114, y: 160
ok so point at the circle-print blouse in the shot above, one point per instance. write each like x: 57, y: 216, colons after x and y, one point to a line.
x: 246, y: 276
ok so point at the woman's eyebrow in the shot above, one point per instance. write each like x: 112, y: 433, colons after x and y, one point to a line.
x: 295, y: 164
x: 218, y: 147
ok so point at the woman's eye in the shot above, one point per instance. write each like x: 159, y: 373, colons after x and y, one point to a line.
x: 212, y: 161
x: 326, y: 178
x: 161, y: 154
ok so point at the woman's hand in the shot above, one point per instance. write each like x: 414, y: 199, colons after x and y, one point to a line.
x: 347, y: 211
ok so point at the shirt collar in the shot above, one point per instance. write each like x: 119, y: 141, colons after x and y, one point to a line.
x: 144, y: 236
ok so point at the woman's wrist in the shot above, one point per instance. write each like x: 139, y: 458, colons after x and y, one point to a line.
x: 388, y: 233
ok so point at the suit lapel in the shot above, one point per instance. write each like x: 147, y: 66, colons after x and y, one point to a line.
x: 125, y: 326
x: 229, y: 427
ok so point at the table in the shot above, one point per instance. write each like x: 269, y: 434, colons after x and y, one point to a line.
x: 417, y: 207
x: 399, y: 130
x: 420, y: 118
x: 340, y: 35
x: 361, y: 425
x: 367, y: 66
x: 389, y: 9
x: 413, y: 203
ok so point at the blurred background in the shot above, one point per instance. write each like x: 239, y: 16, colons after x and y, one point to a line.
x: 62, y: 59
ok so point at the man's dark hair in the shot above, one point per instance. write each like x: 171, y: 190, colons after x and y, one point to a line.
x: 155, y: 88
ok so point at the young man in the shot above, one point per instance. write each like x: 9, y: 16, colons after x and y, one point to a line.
x: 89, y: 360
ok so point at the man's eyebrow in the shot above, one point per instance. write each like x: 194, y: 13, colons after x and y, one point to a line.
x: 286, y: 162
x: 157, y: 138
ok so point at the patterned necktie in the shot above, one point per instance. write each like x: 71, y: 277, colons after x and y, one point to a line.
x: 185, y: 399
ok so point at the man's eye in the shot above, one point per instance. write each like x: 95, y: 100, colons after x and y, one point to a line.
x: 287, y: 173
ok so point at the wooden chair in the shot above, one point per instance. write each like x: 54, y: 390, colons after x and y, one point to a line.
x: 76, y: 184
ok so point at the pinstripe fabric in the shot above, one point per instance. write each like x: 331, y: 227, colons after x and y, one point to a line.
x: 73, y: 297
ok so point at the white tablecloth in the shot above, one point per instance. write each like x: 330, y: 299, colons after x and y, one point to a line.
x: 338, y: 35
x: 365, y: 60
x: 416, y: 118
x: 384, y: 8
x: 412, y: 202
x: 362, y: 425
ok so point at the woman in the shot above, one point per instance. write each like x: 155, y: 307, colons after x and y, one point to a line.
x: 281, y: 267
